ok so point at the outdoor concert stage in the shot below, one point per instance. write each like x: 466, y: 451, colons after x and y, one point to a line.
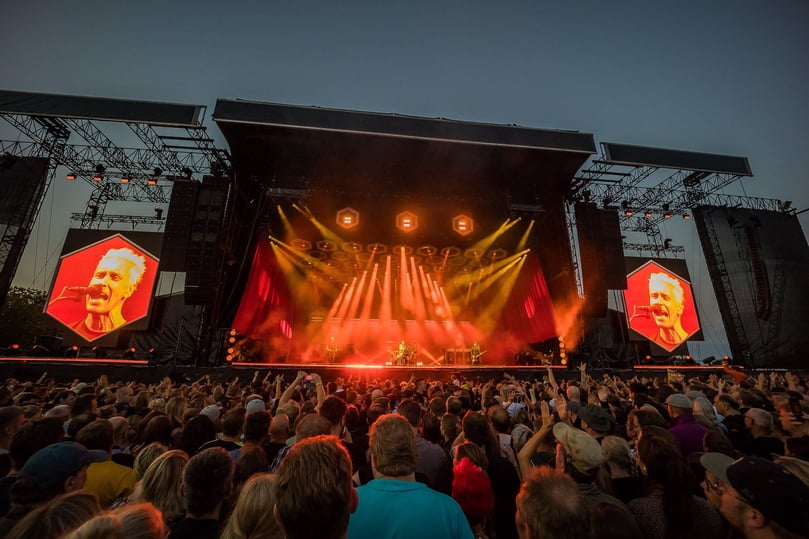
x: 66, y: 370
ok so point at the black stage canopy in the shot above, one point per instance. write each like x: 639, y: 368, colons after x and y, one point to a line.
x: 298, y: 147
x: 97, y: 108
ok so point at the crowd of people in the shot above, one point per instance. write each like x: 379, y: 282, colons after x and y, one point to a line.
x: 358, y: 457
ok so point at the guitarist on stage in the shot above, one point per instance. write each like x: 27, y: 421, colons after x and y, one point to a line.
x: 475, y: 353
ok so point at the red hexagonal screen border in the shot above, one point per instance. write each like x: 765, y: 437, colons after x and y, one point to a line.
x: 76, y: 269
x: 636, y: 298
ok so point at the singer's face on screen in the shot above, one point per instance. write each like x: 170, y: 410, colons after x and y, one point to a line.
x: 112, y: 275
x: 669, y: 308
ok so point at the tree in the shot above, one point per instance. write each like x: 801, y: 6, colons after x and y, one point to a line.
x: 21, y: 316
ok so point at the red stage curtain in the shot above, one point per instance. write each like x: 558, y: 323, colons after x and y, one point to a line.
x: 266, y: 311
x: 528, y: 316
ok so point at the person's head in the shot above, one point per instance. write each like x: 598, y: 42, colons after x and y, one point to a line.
x: 550, y: 505
x: 145, y: 457
x: 759, y: 420
x: 32, y: 437
x: 252, y: 460
x: 206, y: 482
x: 393, y: 447
x: 279, y: 428
x: 660, y: 458
x: 233, y: 422
x: 610, y: 521
x: 116, y: 277
x: 472, y: 489
x: 58, y: 517
x: 476, y: 429
x: 666, y: 295
x: 197, y: 431
x: 450, y: 427
x: 472, y: 452
x: 332, y: 498
x: 54, y: 470
x: 410, y: 410
x: 96, y: 435
x: 334, y: 409
x: 499, y: 418
x: 582, y: 453
x: 596, y: 420
x: 12, y: 419
x: 257, y: 426
x: 311, y: 425
x: 679, y: 404
x: 618, y: 454
x: 250, y: 516
x: 725, y: 404
x: 158, y: 429
x: 757, y: 495
x: 162, y: 483
x: 86, y: 403
x: 137, y: 521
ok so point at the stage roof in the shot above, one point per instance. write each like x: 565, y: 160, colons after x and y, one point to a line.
x: 289, y: 146
x: 97, y: 108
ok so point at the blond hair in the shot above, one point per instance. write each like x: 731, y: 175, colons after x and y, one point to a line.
x: 162, y: 483
x: 252, y: 516
x: 139, y: 521
x: 393, y: 446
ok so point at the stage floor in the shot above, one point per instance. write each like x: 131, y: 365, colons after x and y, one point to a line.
x: 65, y: 370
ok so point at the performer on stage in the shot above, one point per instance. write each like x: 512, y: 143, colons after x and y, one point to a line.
x: 401, y: 357
x: 475, y: 353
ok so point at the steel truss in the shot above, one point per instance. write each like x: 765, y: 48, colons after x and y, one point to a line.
x: 126, y: 174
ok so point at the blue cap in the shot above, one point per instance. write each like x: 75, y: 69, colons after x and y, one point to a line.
x: 54, y: 464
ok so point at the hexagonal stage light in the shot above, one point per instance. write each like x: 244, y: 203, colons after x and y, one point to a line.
x: 407, y: 221
x: 348, y: 218
x: 463, y: 224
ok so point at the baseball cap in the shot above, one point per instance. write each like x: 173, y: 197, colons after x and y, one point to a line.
x: 583, y: 449
x: 765, y: 486
x: 679, y: 400
x: 255, y: 405
x: 211, y: 411
x: 53, y: 464
x: 597, y: 418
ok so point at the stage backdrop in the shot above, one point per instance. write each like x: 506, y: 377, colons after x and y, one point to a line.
x: 660, y: 306
x: 103, y: 272
x: 286, y: 316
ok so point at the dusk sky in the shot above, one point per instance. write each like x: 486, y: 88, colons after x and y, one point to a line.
x: 712, y: 76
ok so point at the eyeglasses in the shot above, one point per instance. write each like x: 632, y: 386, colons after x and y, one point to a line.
x: 717, y: 487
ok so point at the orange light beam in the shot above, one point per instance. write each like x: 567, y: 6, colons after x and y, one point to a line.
x: 343, y: 312
x: 369, y: 296
x: 488, y: 320
x: 385, y: 307
x: 418, y: 293
x: 527, y: 234
x: 355, y: 301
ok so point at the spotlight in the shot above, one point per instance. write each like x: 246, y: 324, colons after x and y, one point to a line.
x: 407, y: 221
x: 648, y: 214
x: 99, y: 173
x: 348, y: 218
x: 628, y: 213
x: 70, y: 176
x: 463, y: 224
x: 186, y: 172
x: 130, y: 354
x: 667, y: 215
x: 158, y: 171
x: 151, y: 181
x: 158, y: 213
x: 125, y: 178
x: 686, y: 217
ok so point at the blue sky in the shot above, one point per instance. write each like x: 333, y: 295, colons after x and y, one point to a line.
x: 723, y: 76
